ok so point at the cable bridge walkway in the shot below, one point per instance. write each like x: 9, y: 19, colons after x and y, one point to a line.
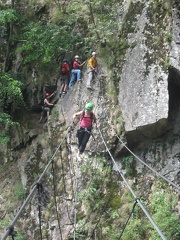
x: 75, y: 176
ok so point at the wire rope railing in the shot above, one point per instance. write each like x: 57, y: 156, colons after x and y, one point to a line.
x: 75, y: 203
x: 153, y: 170
x: 130, y: 189
x: 10, y: 228
x: 55, y: 201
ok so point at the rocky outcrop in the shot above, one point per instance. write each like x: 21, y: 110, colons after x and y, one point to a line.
x: 175, y: 50
x: 144, y: 101
x: 143, y: 94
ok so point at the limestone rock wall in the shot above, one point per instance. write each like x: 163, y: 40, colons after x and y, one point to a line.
x: 143, y: 99
x: 143, y: 95
x: 175, y: 44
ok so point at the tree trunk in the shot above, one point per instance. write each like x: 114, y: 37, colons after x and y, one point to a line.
x: 10, y: 31
x: 93, y: 21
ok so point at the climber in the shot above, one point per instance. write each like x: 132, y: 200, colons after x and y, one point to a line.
x: 87, y: 117
x: 76, y: 70
x: 65, y: 74
x: 47, y: 106
x: 92, y: 69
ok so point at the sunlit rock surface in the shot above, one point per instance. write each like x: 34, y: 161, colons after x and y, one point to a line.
x: 143, y: 94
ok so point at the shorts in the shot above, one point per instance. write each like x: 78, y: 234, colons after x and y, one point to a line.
x: 65, y: 79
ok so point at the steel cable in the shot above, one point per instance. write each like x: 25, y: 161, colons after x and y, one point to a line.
x: 130, y: 189
x: 134, y: 205
x: 160, y: 175
x: 55, y: 201
x: 95, y: 207
x: 39, y: 187
x: 8, y: 230
x: 64, y: 185
x: 75, y: 203
x: 102, y: 210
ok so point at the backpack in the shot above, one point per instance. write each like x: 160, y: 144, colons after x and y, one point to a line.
x: 64, y: 68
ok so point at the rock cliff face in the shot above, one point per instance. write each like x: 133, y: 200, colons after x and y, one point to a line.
x: 143, y: 94
x: 145, y: 110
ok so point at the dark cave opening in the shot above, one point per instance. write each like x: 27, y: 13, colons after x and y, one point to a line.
x: 174, y: 97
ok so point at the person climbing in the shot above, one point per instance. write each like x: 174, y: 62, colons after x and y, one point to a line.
x: 92, y: 69
x: 87, y: 117
x: 47, y: 106
x: 76, y: 71
x: 65, y: 74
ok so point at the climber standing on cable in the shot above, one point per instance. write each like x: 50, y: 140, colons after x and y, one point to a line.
x: 87, y: 118
x: 92, y: 69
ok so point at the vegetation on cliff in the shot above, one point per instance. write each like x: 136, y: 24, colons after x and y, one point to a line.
x: 35, y: 37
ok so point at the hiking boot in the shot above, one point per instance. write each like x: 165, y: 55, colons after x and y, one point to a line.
x: 63, y: 94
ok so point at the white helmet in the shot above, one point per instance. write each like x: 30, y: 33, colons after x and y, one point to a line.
x: 76, y: 56
x: 94, y: 53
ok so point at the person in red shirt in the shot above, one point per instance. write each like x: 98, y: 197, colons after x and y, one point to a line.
x: 65, y: 74
x: 87, y: 118
x: 76, y: 70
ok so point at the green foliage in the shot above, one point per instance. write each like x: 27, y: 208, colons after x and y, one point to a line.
x: 165, y: 63
x: 169, y: 37
x: 12, y: 99
x: 162, y: 214
x: 55, y: 114
x: 97, y: 177
x: 43, y: 43
x: 134, y: 230
x: 106, y: 26
x: 20, y: 236
x: 129, y: 164
x: 10, y: 90
x: 8, y: 16
x: 19, y: 191
x: 4, y: 223
x: 160, y: 208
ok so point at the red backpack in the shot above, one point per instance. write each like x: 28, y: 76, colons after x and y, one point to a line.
x: 64, y: 68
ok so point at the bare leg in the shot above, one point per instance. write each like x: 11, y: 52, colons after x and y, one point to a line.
x: 65, y: 87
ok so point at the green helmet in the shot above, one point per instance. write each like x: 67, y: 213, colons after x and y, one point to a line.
x: 89, y: 106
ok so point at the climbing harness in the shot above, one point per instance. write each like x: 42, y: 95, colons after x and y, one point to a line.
x: 85, y: 130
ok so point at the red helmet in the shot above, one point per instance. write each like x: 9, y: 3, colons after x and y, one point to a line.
x: 47, y: 95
